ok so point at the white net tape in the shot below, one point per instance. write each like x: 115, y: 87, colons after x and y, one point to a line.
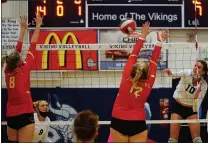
x: 107, y: 46
x: 148, y: 122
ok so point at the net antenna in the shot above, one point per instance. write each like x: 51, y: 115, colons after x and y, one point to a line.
x: 195, y: 104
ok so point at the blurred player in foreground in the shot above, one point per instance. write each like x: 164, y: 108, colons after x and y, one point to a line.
x: 86, y: 126
x: 20, y: 118
x: 192, y: 86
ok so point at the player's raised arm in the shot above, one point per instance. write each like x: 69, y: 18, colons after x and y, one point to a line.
x: 134, y: 55
x: 23, y: 27
x: 154, y: 59
x: 31, y: 53
x: 155, y: 56
x: 175, y: 75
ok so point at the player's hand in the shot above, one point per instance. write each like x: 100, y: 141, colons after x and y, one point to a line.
x: 167, y: 71
x: 164, y: 35
x: 38, y: 19
x: 23, y: 22
x: 145, y: 29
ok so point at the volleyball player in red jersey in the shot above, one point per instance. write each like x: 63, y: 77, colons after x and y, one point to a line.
x: 128, y: 115
x: 20, y: 118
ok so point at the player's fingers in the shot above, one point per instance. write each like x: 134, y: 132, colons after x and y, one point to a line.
x: 143, y: 25
x: 25, y: 17
x: 37, y: 14
x: 42, y: 16
x: 20, y: 17
x: 148, y: 23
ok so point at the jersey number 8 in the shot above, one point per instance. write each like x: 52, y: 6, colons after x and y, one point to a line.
x: 11, y: 82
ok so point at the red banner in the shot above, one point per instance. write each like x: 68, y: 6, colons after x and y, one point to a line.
x: 67, y: 59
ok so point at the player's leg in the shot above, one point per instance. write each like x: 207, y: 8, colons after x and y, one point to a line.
x: 12, y: 128
x: 26, y: 132
x: 138, y: 132
x: 174, y: 128
x: 12, y: 135
x: 178, y: 113
x: 141, y: 137
x: 195, y: 129
x: 118, y: 130
x: 117, y: 136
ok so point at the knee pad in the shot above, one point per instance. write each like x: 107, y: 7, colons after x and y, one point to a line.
x: 12, y: 141
x: 197, y: 140
x: 172, y: 140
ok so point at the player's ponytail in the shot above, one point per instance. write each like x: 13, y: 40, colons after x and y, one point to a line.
x: 139, y: 72
x: 136, y: 74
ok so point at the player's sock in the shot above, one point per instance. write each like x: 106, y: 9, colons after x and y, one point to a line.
x: 172, y: 140
x: 197, y: 140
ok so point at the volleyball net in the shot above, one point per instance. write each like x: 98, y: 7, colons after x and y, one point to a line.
x: 84, y: 69
x: 101, y: 65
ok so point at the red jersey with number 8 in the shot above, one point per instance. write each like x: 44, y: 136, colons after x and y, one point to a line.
x: 18, y: 85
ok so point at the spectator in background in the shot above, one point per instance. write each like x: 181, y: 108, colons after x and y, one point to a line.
x: 86, y: 126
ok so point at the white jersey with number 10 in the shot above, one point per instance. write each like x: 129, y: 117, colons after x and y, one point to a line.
x: 185, y: 90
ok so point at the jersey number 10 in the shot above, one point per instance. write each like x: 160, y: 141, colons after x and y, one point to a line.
x: 190, y: 89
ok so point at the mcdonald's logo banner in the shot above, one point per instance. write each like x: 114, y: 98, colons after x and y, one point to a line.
x: 67, y: 59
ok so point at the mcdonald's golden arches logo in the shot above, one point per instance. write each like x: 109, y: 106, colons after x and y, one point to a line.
x: 61, y: 53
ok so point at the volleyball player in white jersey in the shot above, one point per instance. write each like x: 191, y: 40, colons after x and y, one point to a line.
x: 191, y: 86
x: 41, y: 116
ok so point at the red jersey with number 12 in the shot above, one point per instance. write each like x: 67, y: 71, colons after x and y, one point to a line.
x: 129, y: 104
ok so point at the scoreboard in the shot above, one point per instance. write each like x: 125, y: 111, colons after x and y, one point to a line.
x: 107, y: 14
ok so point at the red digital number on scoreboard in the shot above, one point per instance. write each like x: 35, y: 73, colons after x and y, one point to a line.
x: 59, y: 8
x: 198, y: 5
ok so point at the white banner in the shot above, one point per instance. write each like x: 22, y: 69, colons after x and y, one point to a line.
x: 105, y: 46
x: 9, y: 31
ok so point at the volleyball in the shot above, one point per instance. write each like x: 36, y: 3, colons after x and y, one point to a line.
x: 128, y: 26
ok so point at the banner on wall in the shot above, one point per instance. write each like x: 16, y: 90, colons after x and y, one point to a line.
x: 116, y: 59
x: 9, y: 31
x: 64, y: 112
x: 67, y: 59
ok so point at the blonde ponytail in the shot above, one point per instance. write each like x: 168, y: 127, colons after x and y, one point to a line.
x: 137, y: 76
